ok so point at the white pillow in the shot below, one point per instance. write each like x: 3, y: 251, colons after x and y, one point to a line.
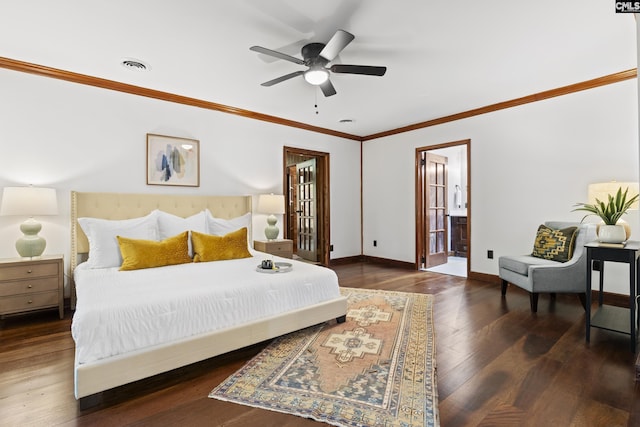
x: 220, y: 226
x: 170, y: 225
x: 104, y: 251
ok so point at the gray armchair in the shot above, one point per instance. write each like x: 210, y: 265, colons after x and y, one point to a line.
x: 541, y: 275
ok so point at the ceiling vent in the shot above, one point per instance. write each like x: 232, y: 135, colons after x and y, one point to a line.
x: 135, y: 65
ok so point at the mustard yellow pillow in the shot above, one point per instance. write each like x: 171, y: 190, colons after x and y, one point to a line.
x: 207, y: 247
x: 138, y: 254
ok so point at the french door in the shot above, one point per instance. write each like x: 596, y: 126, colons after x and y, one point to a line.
x: 431, y: 195
x: 307, y: 221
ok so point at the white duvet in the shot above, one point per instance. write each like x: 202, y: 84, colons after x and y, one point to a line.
x: 121, y: 311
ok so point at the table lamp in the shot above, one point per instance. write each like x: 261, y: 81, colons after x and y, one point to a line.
x: 602, y: 190
x: 29, y: 201
x: 271, y: 204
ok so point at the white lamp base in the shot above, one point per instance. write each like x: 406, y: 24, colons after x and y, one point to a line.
x: 30, y: 245
x: 271, y: 231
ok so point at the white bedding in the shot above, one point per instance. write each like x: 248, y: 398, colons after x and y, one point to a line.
x: 121, y: 311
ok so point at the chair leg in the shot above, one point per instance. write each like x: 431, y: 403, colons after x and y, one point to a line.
x: 504, y: 287
x: 533, y: 300
x: 583, y: 300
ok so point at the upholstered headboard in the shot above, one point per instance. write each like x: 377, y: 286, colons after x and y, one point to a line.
x: 126, y: 205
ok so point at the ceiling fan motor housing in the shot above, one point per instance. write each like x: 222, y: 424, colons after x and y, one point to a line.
x: 311, y: 54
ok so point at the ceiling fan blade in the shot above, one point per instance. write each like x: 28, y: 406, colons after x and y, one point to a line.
x: 327, y: 88
x: 359, y: 69
x: 339, y: 41
x: 282, y: 78
x: 276, y: 54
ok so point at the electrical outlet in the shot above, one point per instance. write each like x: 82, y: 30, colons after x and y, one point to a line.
x: 330, y: 248
x: 375, y: 243
x: 490, y: 254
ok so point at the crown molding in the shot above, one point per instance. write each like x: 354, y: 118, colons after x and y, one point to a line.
x: 41, y: 70
x: 564, y: 90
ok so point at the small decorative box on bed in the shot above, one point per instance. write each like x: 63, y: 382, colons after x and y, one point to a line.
x: 162, y: 281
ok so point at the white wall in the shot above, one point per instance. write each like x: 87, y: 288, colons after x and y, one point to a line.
x: 528, y: 164
x: 74, y: 137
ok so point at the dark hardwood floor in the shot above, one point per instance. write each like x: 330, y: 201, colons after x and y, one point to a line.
x: 498, y: 365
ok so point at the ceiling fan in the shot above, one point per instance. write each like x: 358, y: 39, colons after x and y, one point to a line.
x: 316, y: 56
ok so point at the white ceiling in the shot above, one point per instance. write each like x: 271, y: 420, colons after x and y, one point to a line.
x: 442, y: 57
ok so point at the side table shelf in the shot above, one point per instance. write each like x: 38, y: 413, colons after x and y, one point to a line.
x: 612, y: 318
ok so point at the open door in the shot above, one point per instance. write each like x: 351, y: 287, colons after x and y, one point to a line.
x: 307, y: 228
x: 308, y: 214
x: 432, y: 209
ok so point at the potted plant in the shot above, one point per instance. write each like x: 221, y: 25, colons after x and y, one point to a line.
x: 610, y: 213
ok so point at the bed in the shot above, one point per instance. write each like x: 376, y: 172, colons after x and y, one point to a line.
x: 110, y: 304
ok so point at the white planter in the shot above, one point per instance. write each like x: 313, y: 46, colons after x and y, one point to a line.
x: 611, y: 234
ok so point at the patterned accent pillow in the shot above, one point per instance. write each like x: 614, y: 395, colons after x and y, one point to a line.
x: 138, y: 254
x: 207, y: 247
x: 555, y: 245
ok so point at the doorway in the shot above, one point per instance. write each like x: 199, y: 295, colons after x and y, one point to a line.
x: 306, y: 218
x: 443, y: 208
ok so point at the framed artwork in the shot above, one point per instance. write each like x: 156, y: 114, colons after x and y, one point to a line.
x: 173, y: 161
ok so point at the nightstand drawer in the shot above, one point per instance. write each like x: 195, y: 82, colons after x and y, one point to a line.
x: 29, y: 271
x: 28, y: 286
x: 282, y: 248
x: 28, y: 302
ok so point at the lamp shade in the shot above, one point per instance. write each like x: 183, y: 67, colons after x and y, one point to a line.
x: 29, y: 201
x: 271, y: 204
x: 602, y: 190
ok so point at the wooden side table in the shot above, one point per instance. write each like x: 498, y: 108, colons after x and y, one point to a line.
x: 29, y: 284
x: 282, y: 247
x: 618, y: 319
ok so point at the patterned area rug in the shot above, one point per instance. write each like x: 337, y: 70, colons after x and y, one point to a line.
x: 376, y: 369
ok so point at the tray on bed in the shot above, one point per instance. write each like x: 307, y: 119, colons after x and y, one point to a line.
x: 280, y: 267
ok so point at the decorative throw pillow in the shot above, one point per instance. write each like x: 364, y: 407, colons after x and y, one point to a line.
x: 101, y: 233
x: 138, y: 254
x: 207, y: 247
x: 555, y: 245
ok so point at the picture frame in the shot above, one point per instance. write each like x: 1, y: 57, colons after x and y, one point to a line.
x: 173, y: 161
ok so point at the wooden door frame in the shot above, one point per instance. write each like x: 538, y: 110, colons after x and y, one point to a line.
x: 322, y: 195
x: 419, y: 237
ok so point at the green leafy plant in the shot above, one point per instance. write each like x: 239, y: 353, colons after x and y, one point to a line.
x: 611, y: 211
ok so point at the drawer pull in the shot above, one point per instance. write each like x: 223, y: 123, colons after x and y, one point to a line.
x: 30, y: 302
x: 29, y: 271
x: 30, y: 286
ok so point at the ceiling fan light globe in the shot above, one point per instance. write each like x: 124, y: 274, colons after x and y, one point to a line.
x: 316, y: 76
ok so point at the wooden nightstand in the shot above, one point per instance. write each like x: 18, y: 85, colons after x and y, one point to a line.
x: 31, y: 284
x: 283, y: 247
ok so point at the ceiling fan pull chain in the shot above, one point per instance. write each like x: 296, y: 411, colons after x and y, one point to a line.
x: 316, y: 104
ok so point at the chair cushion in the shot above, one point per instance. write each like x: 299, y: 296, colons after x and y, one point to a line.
x: 520, y: 264
x: 555, y: 245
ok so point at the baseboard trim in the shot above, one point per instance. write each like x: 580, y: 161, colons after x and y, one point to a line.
x: 390, y: 262
x: 484, y: 277
x: 373, y: 260
x: 346, y: 260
